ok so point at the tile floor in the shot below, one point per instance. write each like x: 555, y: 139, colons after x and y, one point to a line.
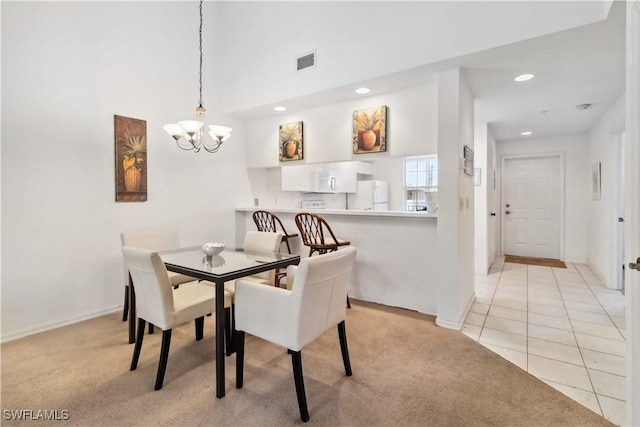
x: 560, y: 325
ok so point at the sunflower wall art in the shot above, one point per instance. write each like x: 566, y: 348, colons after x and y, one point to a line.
x: 291, y: 138
x: 370, y: 130
x: 131, y: 159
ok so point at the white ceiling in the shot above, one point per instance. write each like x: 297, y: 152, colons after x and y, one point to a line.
x: 571, y: 67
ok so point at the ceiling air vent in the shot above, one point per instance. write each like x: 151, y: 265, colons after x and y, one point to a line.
x: 305, y: 61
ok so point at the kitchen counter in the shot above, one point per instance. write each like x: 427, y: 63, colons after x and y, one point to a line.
x: 396, y: 263
x: 321, y: 212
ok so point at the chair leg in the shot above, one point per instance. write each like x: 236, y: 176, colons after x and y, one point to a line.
x: 151, y: 329
x: 199, y: 327
x: 296, y: 360
x: 132, y: 312
x: 288, y: 247
x: 164, y: 357
x: 342, y: 333
x: 239, y: 341
x: 138, y: 346
x: 125, y: 309
x: 228, y: 328
x: 348, y: 302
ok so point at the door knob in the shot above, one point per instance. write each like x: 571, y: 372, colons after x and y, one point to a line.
x: 635, y: 265
x: 493, y: 214
x: 507, y: 212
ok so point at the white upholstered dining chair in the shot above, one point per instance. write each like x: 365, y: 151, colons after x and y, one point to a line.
x: 155, y: 239
x: 158, y: 303
x: 254, y: 242
x: 297, y: 317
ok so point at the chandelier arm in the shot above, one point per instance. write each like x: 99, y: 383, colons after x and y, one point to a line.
x: 213, y: 149
x: 185, y: 144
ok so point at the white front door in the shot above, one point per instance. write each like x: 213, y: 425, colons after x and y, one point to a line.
x: 531, y: 206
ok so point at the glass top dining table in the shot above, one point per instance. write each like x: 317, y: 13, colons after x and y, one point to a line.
x: 228, y: 265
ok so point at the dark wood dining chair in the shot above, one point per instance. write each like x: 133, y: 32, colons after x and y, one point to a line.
x: 317, y: 235
x: 269, y: 222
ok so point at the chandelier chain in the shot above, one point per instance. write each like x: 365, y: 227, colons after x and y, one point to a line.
x: 190, y: 134
x: 200, y: 34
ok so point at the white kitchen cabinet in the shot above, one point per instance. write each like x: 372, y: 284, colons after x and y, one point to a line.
x: 290, y: 178
x: 303, y: 177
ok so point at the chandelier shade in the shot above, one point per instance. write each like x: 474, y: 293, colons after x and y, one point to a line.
x: 190, y: 134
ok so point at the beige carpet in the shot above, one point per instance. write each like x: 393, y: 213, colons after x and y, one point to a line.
x: 544, y: 262
x: 407, y: 372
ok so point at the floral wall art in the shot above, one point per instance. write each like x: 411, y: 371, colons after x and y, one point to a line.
x: 370, y: 130
x: 131, y: 159
x: 291, y: 137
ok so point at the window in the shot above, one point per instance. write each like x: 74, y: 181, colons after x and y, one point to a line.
x: 421, y: 183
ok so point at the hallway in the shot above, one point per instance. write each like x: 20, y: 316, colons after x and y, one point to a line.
x: 560, y: 325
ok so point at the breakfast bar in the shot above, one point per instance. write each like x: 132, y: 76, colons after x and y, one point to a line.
x: 396, y: 264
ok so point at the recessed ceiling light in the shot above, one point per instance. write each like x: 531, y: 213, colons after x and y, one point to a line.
x: 526, y: 133
x: 280, y: 108
x: 523, y: 77
x: 362, y: 90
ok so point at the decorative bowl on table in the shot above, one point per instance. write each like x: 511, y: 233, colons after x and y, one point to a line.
x: 211, y: 249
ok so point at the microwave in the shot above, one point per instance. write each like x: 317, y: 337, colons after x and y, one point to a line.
x: 324, y: 182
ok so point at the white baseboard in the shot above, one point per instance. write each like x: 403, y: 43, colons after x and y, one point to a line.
x: 447, y: 324
x: 472, y: 299
x: 597, y: 273
x: 21, y: 333
x: 460, y: 323
x: 393, y: 303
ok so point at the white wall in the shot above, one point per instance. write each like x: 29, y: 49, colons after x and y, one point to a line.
x: 67, y: 68
x: 604, y: 144
x: 455, y: 201
x: 411, y: 123
x: 356, y: 41
x: 577, y: 185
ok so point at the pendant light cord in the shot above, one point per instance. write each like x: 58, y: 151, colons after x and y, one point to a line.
x: 200, y: 34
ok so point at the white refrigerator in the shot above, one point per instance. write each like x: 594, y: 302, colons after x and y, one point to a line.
x: 371, y: 195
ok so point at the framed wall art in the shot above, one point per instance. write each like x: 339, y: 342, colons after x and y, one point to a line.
x: 131, y: 159
x: 370, y: 130
x: 291, y: 141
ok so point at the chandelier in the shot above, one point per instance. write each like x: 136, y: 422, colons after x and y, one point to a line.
x: 190, y: 134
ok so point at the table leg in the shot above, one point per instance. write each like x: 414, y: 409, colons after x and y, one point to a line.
x: 132, y: 312
x: 220, y: 339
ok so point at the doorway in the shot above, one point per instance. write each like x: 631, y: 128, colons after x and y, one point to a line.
x: 532, y: 206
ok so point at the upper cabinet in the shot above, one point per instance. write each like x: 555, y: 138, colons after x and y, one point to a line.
x: 339, y: 177
x: 290, y: 178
